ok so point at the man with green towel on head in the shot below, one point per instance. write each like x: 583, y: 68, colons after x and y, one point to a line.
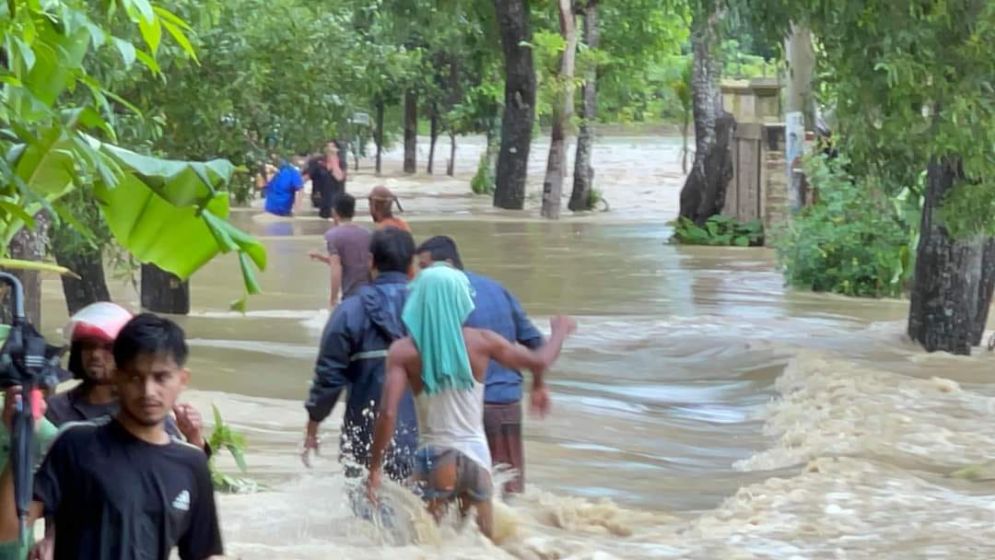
x: 445, y: 364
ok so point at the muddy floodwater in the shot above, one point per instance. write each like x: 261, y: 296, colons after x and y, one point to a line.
x: 701, y: 411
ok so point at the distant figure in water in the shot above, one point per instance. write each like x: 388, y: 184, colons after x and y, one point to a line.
x: 495, y: 309
x: 283, y: 190
x: 348, y: 251
x: 445, y: 363
x: 382, y: 203
x: 327, y: 181
x: 352, y: 357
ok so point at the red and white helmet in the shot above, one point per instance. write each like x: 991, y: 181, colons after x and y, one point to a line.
x: 101, y: 321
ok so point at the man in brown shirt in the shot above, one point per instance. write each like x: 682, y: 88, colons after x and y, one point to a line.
x: 348, y: 250
x: 382, y: 209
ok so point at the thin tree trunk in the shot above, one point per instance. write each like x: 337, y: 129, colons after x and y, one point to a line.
x: 685, y: 129
x: 952, y: 288
x: 91, y: 286
x: 519, y: 103
x: 552, y: 186
x: 410, y: 132
x: 31, y: 245
x: 451, y: 165
x: 378, y: 135
x: 163, y: 292
x: 703, y: 194
x: 434, y: 133
x: 800, y: 105
x: 580, y: 198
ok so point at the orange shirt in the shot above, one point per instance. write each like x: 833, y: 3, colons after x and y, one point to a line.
x: 394, y: 222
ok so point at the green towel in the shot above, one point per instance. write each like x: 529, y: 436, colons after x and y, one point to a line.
x: 439, y: 301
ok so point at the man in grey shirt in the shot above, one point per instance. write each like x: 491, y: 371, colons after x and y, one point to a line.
x: 348, y: 250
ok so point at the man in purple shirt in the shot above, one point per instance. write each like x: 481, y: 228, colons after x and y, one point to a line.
x: 497, y: 310
x: 348, y: 251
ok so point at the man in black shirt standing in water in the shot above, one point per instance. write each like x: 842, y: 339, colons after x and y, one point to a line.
x: 122, y: 487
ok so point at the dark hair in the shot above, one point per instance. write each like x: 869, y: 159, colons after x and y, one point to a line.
x: 345, y: 205
x: 150, y: 334
x: 442, y: 248
x: 392, y: 249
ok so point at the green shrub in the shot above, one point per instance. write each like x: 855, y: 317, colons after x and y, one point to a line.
x: 224, y: 437
x: 483, y: 180
x: 719, y: 231
x: 856, y: 240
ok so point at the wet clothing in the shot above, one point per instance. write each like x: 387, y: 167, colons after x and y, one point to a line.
x: 351, y: 242
x: 497, y: 310
x: 282, y: 190
x: 395, y: 223
x: 503, y: 426
x: 114, y: 496
x: 353, y: 356
x: 454, y: 418
x: 324, y: 188
x: 471, y: 479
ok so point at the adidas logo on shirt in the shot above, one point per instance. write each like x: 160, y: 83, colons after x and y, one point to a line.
x: 182, y: 501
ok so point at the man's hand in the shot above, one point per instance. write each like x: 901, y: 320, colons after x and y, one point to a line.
x: 12, y: 398
x: 540, y: 401
x: 317, y: 256
x: 311, y: 443
x: 373, y: 486
x: 44, y: 550
x: 190, y: 423
x: 563, y: 324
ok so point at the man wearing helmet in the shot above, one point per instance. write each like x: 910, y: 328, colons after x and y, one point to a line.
x: 91, y: 333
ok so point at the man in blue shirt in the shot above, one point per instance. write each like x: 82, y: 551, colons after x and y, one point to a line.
x: 497, y: 310
x: 281, y: 191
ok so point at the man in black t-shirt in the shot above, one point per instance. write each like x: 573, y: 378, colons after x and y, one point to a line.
x: 122, y: 488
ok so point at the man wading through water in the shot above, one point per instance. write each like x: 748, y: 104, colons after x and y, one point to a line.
x: 352, y: 354
x: 348, y: 247
x: 444, y: 363
x: 122, y: 487
x: 497, y: 310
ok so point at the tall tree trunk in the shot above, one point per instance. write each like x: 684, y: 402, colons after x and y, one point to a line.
x: 704, y: 190
x: 519, y: 103
x: 378, y: 135
x: 800, y: 114
x: 31, y: 245
x: 580, y: 198
x: 952, y: 288
x: 434, y: 133
x: 88, y: 264
x: 451, y: 164
x: 552, y: 185
x: 163, y: 292
x: 410, y: 132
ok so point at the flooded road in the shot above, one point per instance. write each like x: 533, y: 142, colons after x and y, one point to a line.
x: 701, y: 411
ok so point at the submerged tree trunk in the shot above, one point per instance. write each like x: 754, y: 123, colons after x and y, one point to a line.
x: 434, y: 133
x: 704, y: 190
x: 163, y: 292
x: 31, y: 245
x: 581, y: 196
x: 88, y: 264
x: 451, y: 164
x: 552, y: 185
x: 952, y: 288
x: 378, y: 135
x: 519, y: 103
x: 410, y: 132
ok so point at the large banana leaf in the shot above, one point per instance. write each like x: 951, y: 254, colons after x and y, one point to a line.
x: 174, y: 213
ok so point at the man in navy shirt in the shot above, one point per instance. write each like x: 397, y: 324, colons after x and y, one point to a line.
x: 281, y: 192
x: 497, y: 310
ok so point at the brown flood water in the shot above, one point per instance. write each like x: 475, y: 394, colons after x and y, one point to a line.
x: 702, y: 410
